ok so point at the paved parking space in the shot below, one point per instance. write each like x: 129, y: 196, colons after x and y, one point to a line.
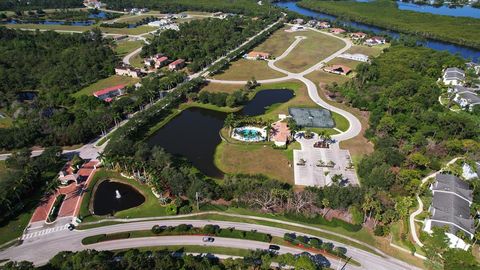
x: 313, y: 167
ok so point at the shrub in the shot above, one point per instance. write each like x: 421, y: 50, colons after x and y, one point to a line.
x: 186, y: 209
x: 303, y: 239
x: 210, y: 229
x: 93, y: 239
x: 116, y: 236
x: 171, y: 210
x: 381, y: 230
x: 289, y: 237
x: 327, y: 246
x: 341, y: 250
x: 256, y: 236
x: 157, y: 229
x: 315, y: 243
x: 231, y: 233
x: 182, y: 228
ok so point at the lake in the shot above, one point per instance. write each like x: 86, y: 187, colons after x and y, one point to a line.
x: 465, y: 52
x: 107, y: 201
x: 194, y: 133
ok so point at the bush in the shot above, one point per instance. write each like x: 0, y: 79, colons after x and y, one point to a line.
x: 93, y: 239
x: 341, y: 250
x: 289, y: 237
x: 256, y: 236
x: 186, y: 209
x: 303, y: 239
x: 381, y: 230
x: 327, y: 246
x: 315, y: 243
x: 157, y: 229
x: 182, y: 228
x: 210, y: 229
x: 116, y: 236
x: 171, y: 210
x: 231, y: 233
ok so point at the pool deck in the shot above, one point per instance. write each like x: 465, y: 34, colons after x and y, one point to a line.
x: 312, y: 175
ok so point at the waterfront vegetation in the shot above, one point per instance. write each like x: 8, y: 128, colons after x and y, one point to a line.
x: 385, y: 14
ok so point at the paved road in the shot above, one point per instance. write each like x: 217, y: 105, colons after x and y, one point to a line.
x: 41, y: 248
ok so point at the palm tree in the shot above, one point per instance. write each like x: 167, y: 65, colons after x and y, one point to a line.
x: 325, y: 204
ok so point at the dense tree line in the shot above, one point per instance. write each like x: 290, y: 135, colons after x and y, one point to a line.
x: 248, y: 7
x: 134, y: 259
x: 201, y: 42
x: 38, y: 4
x: 26, y: 176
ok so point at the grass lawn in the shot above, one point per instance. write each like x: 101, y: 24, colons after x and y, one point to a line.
x: 6, y: 121
x: 244, y: 69
x: 310, y: 51
x: 320, y: 76
x: 221, y: 88
x: 277, y: 43
x: 340, y: 122
x: 149, y: 208
x: 370, y: 51
x: 134, y: 18
x: 15, y: 227
x: 129, y: 31
x: 50, y: 27
x: 104, y: 83
x: 346, y: 62
x: 125, y: 47
x: 137, y: 61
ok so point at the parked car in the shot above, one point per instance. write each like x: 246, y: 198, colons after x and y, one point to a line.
x: 274, y: 247
x: 71, y: 227
x: 208, y: 239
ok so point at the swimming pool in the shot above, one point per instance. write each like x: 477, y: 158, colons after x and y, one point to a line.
x: 249, y: 134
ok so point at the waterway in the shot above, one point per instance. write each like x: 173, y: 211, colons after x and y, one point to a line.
x: 464, y: 11
x: 194, y: 133
x: 465, y: 52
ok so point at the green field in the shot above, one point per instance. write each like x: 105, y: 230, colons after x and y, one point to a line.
x: 123, y: 48
x: 244, y: 69
x: 385, y: 14
x: 105, y: 83
x: 69, y: 28
x: 310, y: 51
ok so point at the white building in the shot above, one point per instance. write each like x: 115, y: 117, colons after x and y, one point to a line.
x: 453, y: 76
x: 467, y: 99
x: 356, y: 56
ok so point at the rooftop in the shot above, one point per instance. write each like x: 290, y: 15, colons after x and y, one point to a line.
x: 471, y: 97
x: 451, y: 183
x: 448, y: 209
x: 280, y: 132
x: 109, y: 89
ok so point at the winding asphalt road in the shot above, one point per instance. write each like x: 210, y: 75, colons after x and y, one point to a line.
x: 40, y: 249
x: 355, y: 126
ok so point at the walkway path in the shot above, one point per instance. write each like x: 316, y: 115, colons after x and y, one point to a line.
x: 419, y: 210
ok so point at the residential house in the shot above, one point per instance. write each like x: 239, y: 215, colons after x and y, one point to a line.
x: 323, y: 25
x: 474, y: 66
x: 373, y: 41
x: 469, y: 172
x: 453, y: 76
x: 450, y: 207
x: 108, y: 94
x: 467, y: 99
x: 295, y: 28
x: 338, y: 69
x: 93, y: 4
x: 257, y: 55
x: 125, y: 70
x: 280, y: 133
x: 158, y: 61
x: 177, y: 64
x: 358, y: 36
x: 298, y: 21
x: 356, y: 56
x: 337, y: 31
x: 312, y: 23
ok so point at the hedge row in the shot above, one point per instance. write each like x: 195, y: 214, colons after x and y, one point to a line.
x: 52, y: 216
x: 105, y: 237
x: 316, y: 243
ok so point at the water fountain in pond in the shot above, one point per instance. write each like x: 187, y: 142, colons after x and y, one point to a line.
x: 117, y: 194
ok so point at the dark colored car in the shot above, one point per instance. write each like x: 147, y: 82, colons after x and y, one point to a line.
x: 274, y: 247
x: 208, y: 239
x: 71, y: 227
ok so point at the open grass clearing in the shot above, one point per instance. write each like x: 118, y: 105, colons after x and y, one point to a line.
x: 135, y: 18
x: 370, y: 51
x: 129, y: 31
x: 278, y: 42
x: 123, y: 48
x: 105, y: 83
x: 221, y: 88
x: 244, y: 69
x: 50, y: 27
x: 320, y: 76
x: 340, y: 122
x: 137, y: 61
x: 345, y: 62
x: 310, y: 51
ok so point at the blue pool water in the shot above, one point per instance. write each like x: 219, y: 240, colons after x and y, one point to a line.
x: 465, y: 52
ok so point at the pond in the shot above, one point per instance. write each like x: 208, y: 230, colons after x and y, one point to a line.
x: 465, y: 52
x: 194, y: 133
x: 111, y: 197
x: 464, y: 11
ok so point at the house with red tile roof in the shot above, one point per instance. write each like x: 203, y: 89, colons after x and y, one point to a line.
x: 253, y: 55
x: 337, y: 31
x: 338, y: 69
x: 177, y: 64
x: 280, y: 133
x: 358, y: 35
x: 158, y: 61
x: 108, y: 94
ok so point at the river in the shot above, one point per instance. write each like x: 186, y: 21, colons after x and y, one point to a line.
x: 465, y: 52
